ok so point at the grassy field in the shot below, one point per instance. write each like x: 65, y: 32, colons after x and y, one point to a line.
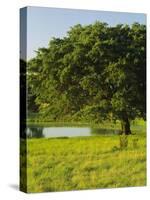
x: 85, y: 163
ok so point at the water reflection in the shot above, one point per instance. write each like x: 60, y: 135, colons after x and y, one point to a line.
x: 98, y: 131
x: 48, y: 132
x: 35, y: 132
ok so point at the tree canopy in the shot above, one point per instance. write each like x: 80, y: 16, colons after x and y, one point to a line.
x: 96, y: 72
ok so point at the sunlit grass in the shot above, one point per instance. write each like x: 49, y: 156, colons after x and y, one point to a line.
x: 85, y: 163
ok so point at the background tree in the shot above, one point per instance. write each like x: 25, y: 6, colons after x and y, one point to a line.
x: 95, y: 72
x: 25, y: 89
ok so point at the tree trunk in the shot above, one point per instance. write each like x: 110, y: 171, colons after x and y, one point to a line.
x: 125, y: 125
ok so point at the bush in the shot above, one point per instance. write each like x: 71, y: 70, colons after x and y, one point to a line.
x: 115, y: 148
x: 123, y: 141
x: 135, y: 143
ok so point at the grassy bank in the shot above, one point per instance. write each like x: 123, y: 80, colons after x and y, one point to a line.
x: 85, y: 162
x: 135, y: 124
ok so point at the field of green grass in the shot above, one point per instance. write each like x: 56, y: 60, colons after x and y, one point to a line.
x: 85, y: 163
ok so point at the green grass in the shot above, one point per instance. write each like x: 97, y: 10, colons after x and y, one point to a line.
x: 85, y: 163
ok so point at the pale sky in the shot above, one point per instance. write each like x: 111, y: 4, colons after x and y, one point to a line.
x: 44, y: 23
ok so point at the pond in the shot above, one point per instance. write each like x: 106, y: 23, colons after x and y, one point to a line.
x: 52, y: 132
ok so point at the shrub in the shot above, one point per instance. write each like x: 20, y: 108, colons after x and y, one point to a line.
x: 135, y: 143
x: 123, y: 141
x: 115, y: 148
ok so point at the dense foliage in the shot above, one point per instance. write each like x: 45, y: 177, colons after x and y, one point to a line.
x: 96, y: 72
